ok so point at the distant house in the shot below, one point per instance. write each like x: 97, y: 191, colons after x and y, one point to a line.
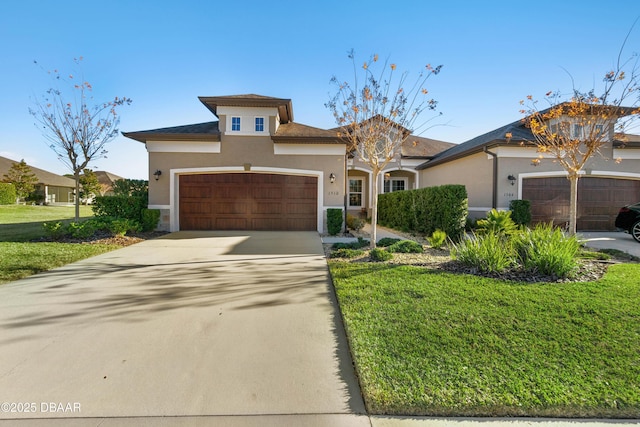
x: 106, y: 180
x: 54, y: 188
x: 496, y: 171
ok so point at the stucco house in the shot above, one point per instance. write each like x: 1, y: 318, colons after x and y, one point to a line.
x: 255, y: 168
x: 496, y: 170
x: 399, y: 174
x: 54, y: 188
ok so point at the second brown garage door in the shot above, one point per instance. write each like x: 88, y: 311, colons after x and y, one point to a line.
x: 599, y: 200
x: 248, y: 201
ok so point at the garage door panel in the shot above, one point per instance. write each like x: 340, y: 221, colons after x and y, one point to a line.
x: 599, y: 200
x: 248, y: 201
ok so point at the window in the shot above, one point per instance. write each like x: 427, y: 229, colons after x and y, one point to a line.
x: 394, y: 184
x: 355, y: 192
x: 577, y: 131
x: 259, y: 124
x: 235, y: 124
x: 599, y: 129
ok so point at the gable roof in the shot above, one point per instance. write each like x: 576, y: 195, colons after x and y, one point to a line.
x: 421, y: 147
x: 208, y: 131
x: 106, y: 178
x: 497, y: 136
x: 44, y: 177
x: 284, y: 106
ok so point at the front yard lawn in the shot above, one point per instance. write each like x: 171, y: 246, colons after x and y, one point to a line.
x: 21, y: 258
x: 429, y: 342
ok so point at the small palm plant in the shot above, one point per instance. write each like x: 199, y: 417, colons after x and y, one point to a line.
x: 497, y: 222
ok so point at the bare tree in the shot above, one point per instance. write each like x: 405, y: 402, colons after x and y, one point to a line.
x: 573, y: 130
x: 376, y: 113
x: 77, y: 127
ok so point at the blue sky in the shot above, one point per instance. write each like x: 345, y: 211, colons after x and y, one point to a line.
x: 164, y: 54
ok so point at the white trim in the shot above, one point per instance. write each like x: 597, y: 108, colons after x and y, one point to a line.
x: 309, y: 149
x: 362, y: 193
x: 159, y: 207
x: 183, y: 146
x: 519, y: 152
x: 626, y: 153
x: 174, y: 187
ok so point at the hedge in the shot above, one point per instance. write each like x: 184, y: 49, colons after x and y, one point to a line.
x: 8, y: 195
x: 334, y: 220
x: 425, y: 210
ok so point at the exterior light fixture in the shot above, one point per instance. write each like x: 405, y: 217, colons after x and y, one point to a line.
x: 157, y: 174
x: 512, y: 179
x: 332, y: 177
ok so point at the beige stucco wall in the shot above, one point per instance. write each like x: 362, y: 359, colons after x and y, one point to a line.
x: 246, y: 154
x: 476, y: 173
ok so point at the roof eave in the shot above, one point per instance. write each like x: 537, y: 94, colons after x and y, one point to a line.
x: 145, y: 137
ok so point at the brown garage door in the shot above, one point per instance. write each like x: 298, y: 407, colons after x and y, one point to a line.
x: 248, y: 201
x: 599, y: 200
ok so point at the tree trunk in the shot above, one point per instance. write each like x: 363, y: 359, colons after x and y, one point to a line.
x: 76, y: 175
x: 374, y: 209
x: 573, y: 203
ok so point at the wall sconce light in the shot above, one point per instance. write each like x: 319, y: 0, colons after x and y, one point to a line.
x: 157, y: 174
x: 512, y: 179
x: 332, y: 177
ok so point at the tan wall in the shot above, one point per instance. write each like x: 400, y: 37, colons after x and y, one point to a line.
x: 474, y: 172
x: 235, y: 152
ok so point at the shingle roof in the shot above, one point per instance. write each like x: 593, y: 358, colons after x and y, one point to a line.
x: 299, y: 133
x: 44, y: 177
x: 208, y: 131
x: 418, y: 146
x: 497, y: 136
x: 284, y: 106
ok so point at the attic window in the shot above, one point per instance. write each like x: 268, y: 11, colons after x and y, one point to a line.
x: 235, y: 124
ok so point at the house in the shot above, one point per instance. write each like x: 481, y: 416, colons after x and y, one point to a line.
x: 255, y: 168
x: 53, y: 188
x: 496, y: 170
x: 106, y: 180
x: 399, y: 174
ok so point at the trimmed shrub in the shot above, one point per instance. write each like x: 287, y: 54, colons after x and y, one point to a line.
x: 406, y: 246
x: 438, y: 239
x: 360, y: 243
x: 425, y: 210
x: 81, y: 230
x: 54, y: 230
x: 120, y: 207
x: 149, y: 219
x: 8, y: 195
x: 387, y: 241
x: 354, y: 223
x: 347, y: 253
x: 380, y: 255
x: 334, y: 221
x: 520, y: 211
x: 120, y: 227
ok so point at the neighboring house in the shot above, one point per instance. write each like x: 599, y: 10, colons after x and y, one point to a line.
x: 496, y: 171
x: 252, y: 169
x: 54, y: 188
x: 106, y: 180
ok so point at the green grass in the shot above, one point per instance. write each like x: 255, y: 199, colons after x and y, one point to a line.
x: 436, y: 343
x: 20, y: 223
x: 21, y: 258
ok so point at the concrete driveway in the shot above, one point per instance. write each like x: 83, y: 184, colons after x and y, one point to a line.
x: 611, y: 240
x: 235, y: 328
